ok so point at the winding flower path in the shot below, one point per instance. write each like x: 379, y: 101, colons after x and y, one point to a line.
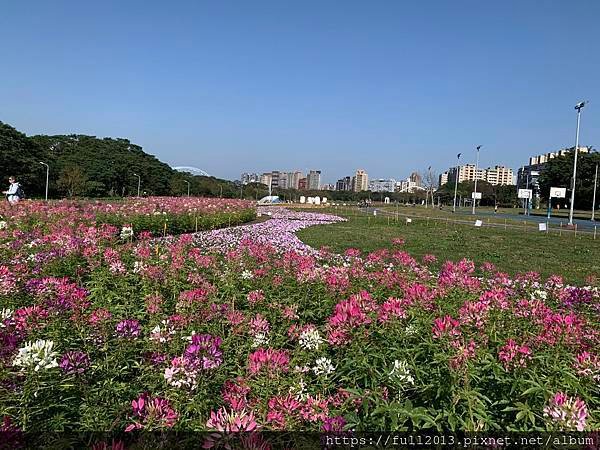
x: 279, y: 231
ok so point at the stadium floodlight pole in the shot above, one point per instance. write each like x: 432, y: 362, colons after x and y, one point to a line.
x: 139, y: 183
x: 476, y: 169
x: 579, y: 106
x: 456, y: 181
x: 188, y: 183
x: 47, y: 176
x: 594, y: 197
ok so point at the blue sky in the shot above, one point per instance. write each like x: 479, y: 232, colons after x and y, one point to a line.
x: 388, y: 86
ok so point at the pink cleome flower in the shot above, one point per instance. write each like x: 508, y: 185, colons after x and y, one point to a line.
x: 513, y: 355
x: 232, y: 421
x: 152, y: 413
x: 271, y: 360
x: 445, y: 326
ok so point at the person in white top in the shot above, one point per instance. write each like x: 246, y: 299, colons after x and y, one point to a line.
x: 12, y: 194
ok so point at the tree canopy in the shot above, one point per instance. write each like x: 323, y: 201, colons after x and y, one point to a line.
x: 89, y: 166
x: 559, y: 171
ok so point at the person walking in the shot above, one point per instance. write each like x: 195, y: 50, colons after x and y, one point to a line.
x: 14, y: 192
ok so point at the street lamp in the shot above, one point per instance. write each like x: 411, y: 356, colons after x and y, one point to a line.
x: 47, y: 175
x: 476, y: 170
x: 188, y: 183
x: 456, y: 181
x: 579, y: 106
x: 594, y: 198
x: 139, y: 183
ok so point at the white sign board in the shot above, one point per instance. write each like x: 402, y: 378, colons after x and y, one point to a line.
x: 478, y: 223
x: 386, y: 200
x: 317, y: 200
x: 310, y: 200
x: 476, y: 195
x: 408, y: 220
x: 558, y: 192
x: 324, y: 200
x: 375, y: 212
x: 302, y: 199
x: 524, y: 193
x: 542, y: 227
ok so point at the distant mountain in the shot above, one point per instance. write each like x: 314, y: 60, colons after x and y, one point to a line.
x: 89, y: 166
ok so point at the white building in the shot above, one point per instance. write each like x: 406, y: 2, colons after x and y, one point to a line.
x: 382, y: 185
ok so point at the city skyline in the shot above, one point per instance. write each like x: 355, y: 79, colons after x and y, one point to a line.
x: 388, y: 87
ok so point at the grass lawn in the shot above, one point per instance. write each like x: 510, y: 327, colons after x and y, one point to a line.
x: 511, y: 250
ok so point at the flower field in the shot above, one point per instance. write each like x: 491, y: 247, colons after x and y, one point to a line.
x: 157, y: 215
x: 247, y: 328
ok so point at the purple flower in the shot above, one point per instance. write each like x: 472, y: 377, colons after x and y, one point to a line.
x: 74, y: 362
x: 334, y: 424
x: 128, y: 328
x: 205, y: 350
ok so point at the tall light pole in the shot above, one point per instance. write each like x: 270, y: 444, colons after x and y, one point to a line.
x: 476, y: 170
x: 594, y: 197
x: 47, y: 176
x: 579, y: 106
x: 456, y: 181
x: 430, y: 183
x: 188, y: 183
x: 139, y: 183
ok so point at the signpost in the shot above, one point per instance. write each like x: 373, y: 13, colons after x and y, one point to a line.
x: 476, y: 195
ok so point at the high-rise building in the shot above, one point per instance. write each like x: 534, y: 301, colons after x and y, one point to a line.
x: 313, y: 180
x: 275, y: 178
x: 498, y: 175
x: 344, y: 184
x: 294, y: 179
x: 302, y: 184
x: 246, y: 178
x: 266, y: 178
x: 360, y: 181
x: 382, y: 185
x: 415, y: 177
x: 283, y: 180
x: 443, y: 178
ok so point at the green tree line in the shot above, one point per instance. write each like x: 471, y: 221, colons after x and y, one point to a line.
x: 88, y: 166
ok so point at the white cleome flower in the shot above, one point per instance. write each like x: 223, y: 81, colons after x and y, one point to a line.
x: 37, y: 355
x: 299, y: 391
x: 246, y: 275
x: 5, y: 314
x: 310, y: 339
x: 3, y: 224
x: 323, y: 366
x: 260, y: 340
x: 126, y: 232
x: 401, y: 373
x: 539, y: 294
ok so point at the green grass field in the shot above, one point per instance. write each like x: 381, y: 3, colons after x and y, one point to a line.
x: 511, y: 250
